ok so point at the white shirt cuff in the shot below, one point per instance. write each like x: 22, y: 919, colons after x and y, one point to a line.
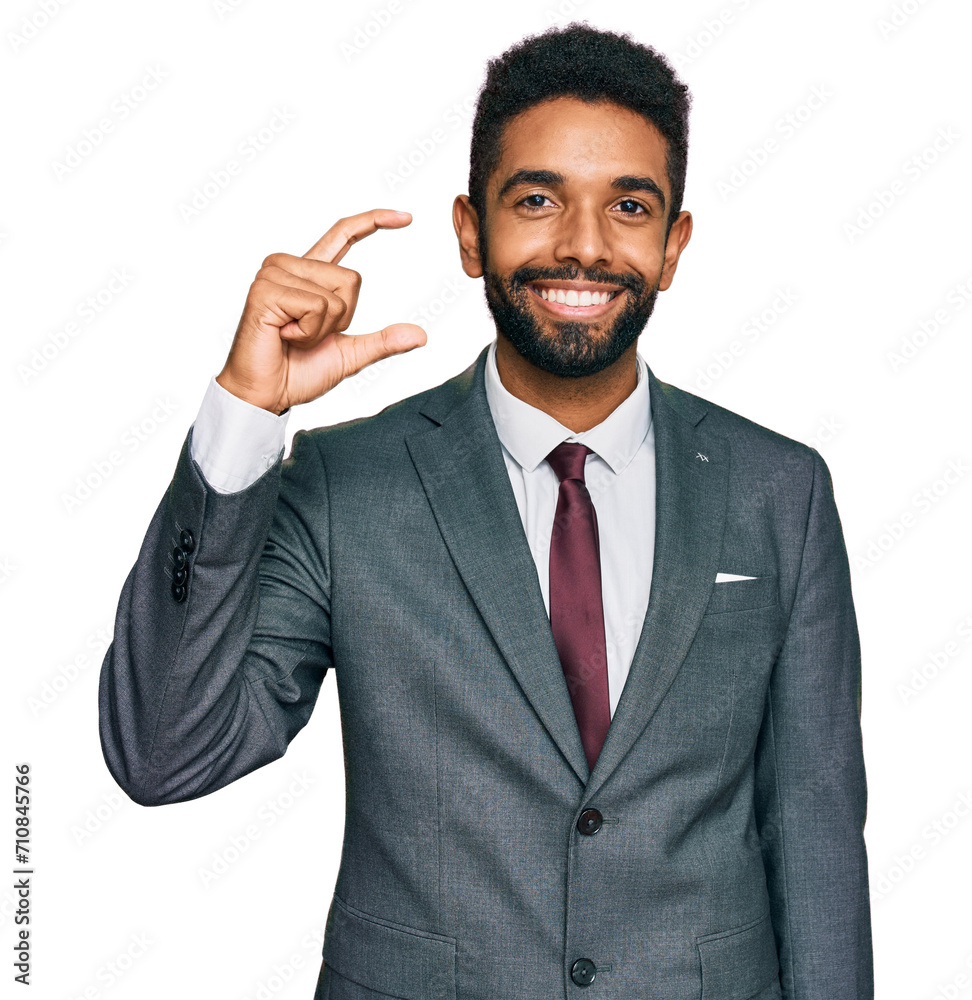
x: 234, y: 442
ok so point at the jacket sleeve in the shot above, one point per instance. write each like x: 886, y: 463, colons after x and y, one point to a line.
x: 810, y: 794
x: 195, y: 693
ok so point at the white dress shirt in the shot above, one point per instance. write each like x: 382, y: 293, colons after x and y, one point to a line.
x: 234, y: 443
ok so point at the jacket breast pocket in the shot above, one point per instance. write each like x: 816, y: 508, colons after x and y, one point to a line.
x: 742, y: 595
x: 740, y: 964
x: 387, y: 958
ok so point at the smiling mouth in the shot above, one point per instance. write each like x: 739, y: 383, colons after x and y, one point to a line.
x: 578, y: 303
x: 574, y: 297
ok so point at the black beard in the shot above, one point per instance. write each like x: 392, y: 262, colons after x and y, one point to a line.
x: 574, y: 351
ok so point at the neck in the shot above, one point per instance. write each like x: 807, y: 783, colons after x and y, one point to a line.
x: 577, y: 403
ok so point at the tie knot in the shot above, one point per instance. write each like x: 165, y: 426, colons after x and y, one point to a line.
x: 567, y: 460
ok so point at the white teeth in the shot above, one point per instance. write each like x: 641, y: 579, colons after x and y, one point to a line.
x: 571, y: 297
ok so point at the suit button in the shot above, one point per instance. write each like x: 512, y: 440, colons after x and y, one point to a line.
x: 179, y: 592
x: 589, y: 822
x: 186, y: 540
x: 583, y: 972
x: 180, y: 576
x: 179, y: 557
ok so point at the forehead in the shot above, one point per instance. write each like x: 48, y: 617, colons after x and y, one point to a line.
x: 582, y: 141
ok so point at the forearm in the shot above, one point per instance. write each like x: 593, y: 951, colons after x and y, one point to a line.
x: 193, y: 693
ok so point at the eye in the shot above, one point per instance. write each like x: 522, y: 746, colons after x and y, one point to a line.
x: 631, y: 207
x: 529, y: 203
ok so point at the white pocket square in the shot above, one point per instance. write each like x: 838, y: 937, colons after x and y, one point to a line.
x: 727, y: 577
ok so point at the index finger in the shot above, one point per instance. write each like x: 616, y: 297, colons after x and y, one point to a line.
x: 339, y: 239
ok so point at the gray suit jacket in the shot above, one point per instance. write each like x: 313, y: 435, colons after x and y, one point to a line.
x: 716, y: 851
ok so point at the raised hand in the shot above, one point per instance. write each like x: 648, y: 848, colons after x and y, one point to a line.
x: 290, y: 346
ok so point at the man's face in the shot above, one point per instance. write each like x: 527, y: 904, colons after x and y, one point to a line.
x: 573, y: 247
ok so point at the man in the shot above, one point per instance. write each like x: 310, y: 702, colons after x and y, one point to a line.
x: 594, y: 642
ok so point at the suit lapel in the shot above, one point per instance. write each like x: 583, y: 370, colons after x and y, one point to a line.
x: 691, y: 475
x: 461, y: 466
x: 460, y: 463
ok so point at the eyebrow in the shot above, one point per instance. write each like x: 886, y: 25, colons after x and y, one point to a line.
x: 550, y: 178
x: 646, y: 184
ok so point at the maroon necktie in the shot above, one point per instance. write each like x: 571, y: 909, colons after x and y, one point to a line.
x: 576, y: 614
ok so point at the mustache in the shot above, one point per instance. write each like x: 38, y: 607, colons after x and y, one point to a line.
x: 526, y: 275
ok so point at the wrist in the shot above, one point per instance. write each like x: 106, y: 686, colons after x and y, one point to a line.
x: 226, y: 382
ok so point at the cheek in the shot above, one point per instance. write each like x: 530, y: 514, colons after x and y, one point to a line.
x: 513, y: 245
x: 641, y: 252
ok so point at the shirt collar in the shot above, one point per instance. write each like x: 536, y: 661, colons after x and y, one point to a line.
x: 529, y: 434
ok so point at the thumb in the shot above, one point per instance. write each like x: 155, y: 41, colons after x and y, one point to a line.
x: 367, y: 348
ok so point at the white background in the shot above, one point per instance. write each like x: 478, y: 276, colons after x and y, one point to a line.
x: 108, y: 873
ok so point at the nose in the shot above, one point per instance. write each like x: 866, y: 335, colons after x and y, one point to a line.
x: 583, y: 237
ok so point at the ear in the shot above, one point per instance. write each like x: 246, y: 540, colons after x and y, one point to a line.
x: 678, y: 237
x: 466, y: 223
